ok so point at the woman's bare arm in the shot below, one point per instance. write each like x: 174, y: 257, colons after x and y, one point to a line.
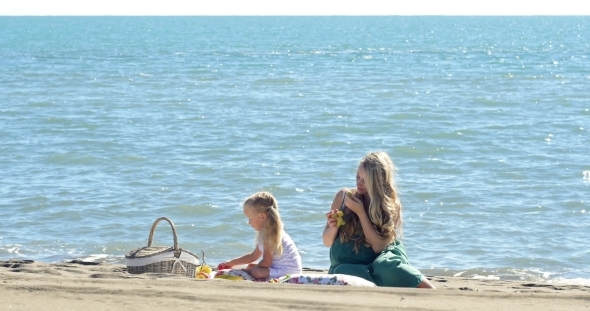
x: 377, y: 243
x: 331, y: 229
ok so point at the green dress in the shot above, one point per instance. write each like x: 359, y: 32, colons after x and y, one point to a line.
x: 390, y: 268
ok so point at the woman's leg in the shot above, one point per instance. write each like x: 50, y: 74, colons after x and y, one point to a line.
x: 361, y: 271
x: 425, y: 284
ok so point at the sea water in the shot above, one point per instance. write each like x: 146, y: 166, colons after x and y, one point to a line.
x: 108, y: 123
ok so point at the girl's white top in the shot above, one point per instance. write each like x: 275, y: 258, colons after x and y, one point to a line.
x: 289, y: 262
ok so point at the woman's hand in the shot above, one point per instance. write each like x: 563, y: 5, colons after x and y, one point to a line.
x: 331, y: 220
x: 377, y: 242
x: 354, y: 204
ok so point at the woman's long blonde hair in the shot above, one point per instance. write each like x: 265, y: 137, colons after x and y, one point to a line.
x: 271, y: 233
x: 385, y: 209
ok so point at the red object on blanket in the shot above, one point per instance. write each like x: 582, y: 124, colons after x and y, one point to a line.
x: 222, y: 266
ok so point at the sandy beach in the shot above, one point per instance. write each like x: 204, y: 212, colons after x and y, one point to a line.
x: 76, y: 285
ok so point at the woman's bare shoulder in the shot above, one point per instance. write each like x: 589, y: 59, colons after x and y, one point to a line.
x: 341, y: 192
x: 338, y: 198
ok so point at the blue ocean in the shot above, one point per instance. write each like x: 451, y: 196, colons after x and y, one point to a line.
x: 108, y: 123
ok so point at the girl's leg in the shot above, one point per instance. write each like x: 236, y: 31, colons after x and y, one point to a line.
x: 260, y: 273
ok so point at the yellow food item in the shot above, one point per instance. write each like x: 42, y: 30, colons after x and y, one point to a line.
x: 203, y: 271
x: 202, y: 276
x: 337, y: 214
x: 229, y: 277
x: 204, y: 268
x: 236, y: 278
x: 339, y: 221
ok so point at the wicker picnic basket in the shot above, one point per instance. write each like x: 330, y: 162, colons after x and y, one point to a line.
x: 162, y: 259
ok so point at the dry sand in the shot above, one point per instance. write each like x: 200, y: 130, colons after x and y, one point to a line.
x: 27, y: 285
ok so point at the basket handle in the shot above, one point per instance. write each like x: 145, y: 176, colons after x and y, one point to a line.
x: 151, y: 238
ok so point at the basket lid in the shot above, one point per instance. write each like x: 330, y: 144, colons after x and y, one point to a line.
x: 145, y: 256
x: 151, y: 251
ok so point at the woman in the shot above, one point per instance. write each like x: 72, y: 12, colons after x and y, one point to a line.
x: 367, y: 245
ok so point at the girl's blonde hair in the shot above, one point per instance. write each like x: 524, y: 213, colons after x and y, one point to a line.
x: 385, y: 209
x: 271, y: 232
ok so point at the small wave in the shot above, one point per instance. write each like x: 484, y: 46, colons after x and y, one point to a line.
x: 95, y: 258
x: 519, y: 275
x: 13, y: 250
x: 573, y: 281
x: 586, y: 175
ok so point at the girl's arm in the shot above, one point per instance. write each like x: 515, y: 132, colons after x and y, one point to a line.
x: 331, y: 230
x: 267, y: 257
x: 246, y: 259
x: 377, y: 243
x: 262, y: 269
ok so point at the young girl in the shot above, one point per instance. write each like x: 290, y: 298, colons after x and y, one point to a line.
x: 279, y: 254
